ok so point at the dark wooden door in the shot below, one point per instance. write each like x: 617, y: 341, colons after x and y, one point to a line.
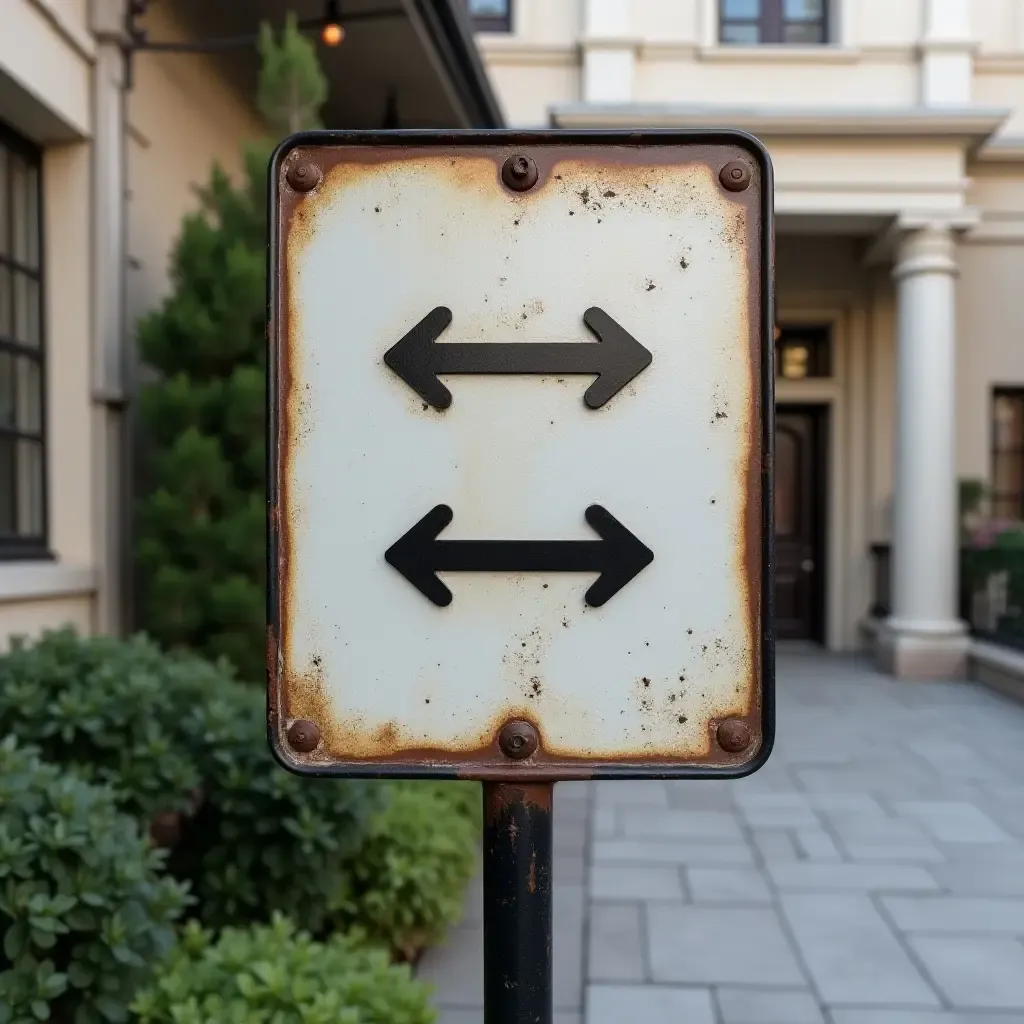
x: 799, y: 522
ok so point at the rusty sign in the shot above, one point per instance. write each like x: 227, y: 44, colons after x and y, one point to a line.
x: 520, y: 449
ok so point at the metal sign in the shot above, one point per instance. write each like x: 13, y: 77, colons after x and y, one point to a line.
x: 521, y: 397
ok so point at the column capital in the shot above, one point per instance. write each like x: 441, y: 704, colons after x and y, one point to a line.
x: 929, y: 249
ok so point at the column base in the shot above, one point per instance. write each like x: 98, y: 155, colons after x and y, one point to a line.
x: 928, y: 653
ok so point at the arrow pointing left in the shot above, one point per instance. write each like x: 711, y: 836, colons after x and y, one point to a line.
x: 618, y: 556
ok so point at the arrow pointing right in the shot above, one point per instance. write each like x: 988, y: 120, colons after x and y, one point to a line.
x: 616, y: 357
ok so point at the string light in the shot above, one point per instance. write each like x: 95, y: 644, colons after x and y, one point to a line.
x: 332, y: 32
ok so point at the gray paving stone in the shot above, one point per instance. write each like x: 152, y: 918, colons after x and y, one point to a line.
x: 605, y: 821
x: 851, y: 954
x: 456, y: 968
x: 450, y: 1016
x: 727, y: 885
x: 764, y: 1006
x: 920, y: 1017
x: 956, y: 914
x: 615, y: 882
x: 953, y: 821
x: 775, y: 845
x: 816, y: 844
x: 652, y: 823
x: 648, y: 1004
x: 973, y: 971
x: 616, y: 943
x: 920, y: 852
x: 634, y: 851
x: 569, y: 907
x: 851, y: 877
x: 719, y: 946
x: 974, y: 880
x: 632, y: 793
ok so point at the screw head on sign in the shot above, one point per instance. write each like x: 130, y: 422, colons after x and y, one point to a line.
x: 733, y: 735
x: 519, y: 172
x: 518, y: 740
x: 303, y: 736
x: 304, y: 176
x: 735, y: 176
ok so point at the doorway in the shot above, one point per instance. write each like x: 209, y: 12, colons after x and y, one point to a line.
x: 801, y: 440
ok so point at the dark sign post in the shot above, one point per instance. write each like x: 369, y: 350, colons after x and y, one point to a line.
x: 529, y: 581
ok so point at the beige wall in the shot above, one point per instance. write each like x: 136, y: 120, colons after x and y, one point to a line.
x: 183, y: 115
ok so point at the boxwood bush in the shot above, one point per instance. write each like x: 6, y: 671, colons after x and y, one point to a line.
x: 184, y: 746
x: 84, y: 910
x: 273, y: 974
x: 408, y: 882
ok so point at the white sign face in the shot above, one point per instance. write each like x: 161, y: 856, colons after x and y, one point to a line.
x: 518, y: 455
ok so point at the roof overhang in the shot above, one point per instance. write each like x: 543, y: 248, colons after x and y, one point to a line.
x: 973, y: 126
x: 415, y: 65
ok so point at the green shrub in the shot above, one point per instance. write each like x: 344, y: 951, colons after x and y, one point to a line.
x: 275, y: 975
x: 172, y: 733
x: 83, y: 909
x: 264, y: 839
x: 409, y: 878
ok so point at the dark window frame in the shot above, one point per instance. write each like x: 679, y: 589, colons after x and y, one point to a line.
x: 492, y: 23
x: 1014, y: 391
x: 818, y: 338
x: 771, y: 24
x: 24, y: 547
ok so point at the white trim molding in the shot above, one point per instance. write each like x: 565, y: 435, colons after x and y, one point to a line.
x: 39, y: 581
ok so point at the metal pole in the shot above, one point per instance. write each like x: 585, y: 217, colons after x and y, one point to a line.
x: 517, y: 903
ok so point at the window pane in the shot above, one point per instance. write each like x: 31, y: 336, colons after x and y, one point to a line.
x: 489, y: 8
x: 802, y: 33
x: 7, y: 486
x: 732, y: 33
x: 28, y: 395
x: 795, y: 360
x: 1008, y: 473
x: 29, y: 488
x: 803, y: 10
x: 6, y: 393
x: 741, y: 9
x: 1007, y: 506
x: 3, y: 202
x: 26, y: 310
x: 6, y: 316
x: 24, y: 211
x: 1009, y: 421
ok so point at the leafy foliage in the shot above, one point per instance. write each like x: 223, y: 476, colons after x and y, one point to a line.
x: 172, y: 733
x: 201, y: 532
x: 275, y: 975
x: 409, y: 879
x: 84, y: 911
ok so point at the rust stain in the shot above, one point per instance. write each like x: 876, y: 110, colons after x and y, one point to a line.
x: 617, y: 173
x: 531, y: 878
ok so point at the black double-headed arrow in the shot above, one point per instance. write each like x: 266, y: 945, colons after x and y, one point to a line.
x: 618, y: 556
x: 616, y: 357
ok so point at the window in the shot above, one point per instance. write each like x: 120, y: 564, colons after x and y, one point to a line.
x: 491, y: 15
x: 802, y: 352
x: 22, y: 412
x: 797, y: 22
x: 1008, y: 453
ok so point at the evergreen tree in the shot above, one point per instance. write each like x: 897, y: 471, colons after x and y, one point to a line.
x: 201, y: 539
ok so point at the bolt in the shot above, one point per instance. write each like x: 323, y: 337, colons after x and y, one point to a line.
x: 517, y: 740
x: 735, y: 176
x: 303, y: 736
x: 304, y: 176
x: 519, y: 173
x: 734, y: 735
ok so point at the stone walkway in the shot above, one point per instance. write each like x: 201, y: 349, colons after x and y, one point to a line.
x: 871, y: 873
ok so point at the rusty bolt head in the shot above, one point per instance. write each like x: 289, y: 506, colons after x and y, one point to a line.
x: 518, y: 740
x: 519, y: 172
x: 304, y: 176
x: 734, y: 735
x: 303, y: 736
x: 735, y: 176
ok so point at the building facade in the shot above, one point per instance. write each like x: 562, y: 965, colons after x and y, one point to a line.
x: 896, y: 129
x: 104, y: 136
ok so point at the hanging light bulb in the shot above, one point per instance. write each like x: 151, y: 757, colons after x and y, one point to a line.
x: 332, y: 32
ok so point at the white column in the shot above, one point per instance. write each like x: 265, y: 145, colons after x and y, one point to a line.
x: 947, y: 54
x: 924, y: 638
x: 109, y: 362
x: 608, y: 52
